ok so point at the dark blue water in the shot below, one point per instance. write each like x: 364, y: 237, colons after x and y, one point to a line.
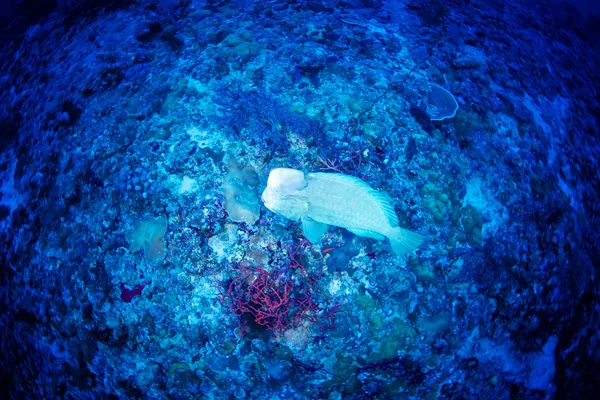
x: 138, y: 259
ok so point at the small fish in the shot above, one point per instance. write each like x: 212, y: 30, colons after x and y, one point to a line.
x: 321, y: 199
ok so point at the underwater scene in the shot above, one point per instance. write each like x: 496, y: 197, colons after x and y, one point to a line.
x: 299, y: 199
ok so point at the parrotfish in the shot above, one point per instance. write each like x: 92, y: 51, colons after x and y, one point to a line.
x: 320, y: 199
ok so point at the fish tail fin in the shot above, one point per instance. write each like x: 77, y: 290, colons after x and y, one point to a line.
x: 404, y: 241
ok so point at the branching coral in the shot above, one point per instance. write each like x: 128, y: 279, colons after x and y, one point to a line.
x: 278, y: 299
x: 269, y: 298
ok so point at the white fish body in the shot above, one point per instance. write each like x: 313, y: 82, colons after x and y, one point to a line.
x: 321, y: 199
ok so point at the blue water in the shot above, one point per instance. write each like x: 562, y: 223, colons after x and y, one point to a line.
x: 137, y: 258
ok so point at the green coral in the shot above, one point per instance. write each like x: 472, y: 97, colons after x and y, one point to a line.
x: 436, y: 202
x: 399, y: 338
x: 472, y: 224
x: 148, y: 235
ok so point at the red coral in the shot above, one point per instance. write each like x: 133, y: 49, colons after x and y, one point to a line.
x: 297, y: 254
x: 351, y: 164
x: 128, y: 294
x: 271, y: 299
x: 278, y: 299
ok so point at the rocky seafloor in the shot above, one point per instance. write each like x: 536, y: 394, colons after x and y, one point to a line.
x: 137, y: 260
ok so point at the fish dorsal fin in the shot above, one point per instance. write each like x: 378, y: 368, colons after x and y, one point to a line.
x: 383, y: 200
x: 365, y: 233
x: 312, y: 229
x: 387, y: 205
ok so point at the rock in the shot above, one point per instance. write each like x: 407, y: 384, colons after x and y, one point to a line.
x: 224, y: 241
x: 241, y: 201
x: 470, y: 57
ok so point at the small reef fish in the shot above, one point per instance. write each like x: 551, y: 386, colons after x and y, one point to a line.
x: 320, y: 199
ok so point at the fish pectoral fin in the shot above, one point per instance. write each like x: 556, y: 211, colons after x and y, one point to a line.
x: 365, y: 233
x: 312, y: 229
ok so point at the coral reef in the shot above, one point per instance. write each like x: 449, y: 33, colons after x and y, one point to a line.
x: 136, y: 258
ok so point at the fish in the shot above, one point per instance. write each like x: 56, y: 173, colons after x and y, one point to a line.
x: 322, y: 199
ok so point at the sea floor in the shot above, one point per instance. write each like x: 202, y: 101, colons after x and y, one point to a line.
x: 138, y: 261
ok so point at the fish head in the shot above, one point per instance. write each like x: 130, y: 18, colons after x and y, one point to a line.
x: 282, y: 194
x: 286, y: 180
